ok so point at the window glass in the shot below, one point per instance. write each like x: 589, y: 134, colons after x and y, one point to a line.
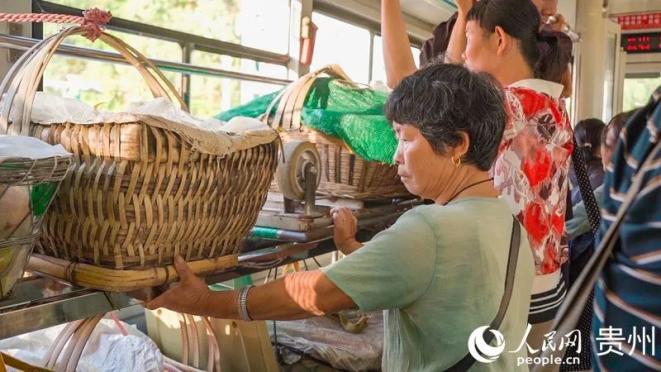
x: 378, y: 64
x: 211, y: 95
x: 344, y: 44
x: 637, y: 91
x: 149, y: 47
x: 107, y: 86
x: 246, y: 66
x: 254, y: 23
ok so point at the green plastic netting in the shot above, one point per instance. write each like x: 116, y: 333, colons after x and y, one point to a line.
x: 332, y: 107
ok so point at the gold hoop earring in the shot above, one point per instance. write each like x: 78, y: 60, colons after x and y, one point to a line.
x: 457, y: 162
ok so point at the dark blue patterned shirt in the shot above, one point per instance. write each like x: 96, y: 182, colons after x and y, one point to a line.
x: 627, y: 306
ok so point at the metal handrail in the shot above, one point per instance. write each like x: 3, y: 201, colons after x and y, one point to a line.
x: 24, y: 43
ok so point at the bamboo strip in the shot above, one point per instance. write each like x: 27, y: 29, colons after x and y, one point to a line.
x: 54, y: 352
x: 194, y: 340
x: 183, y: 328
x: 111, y: 280
x: 86, y: 332
x: 7, y: 360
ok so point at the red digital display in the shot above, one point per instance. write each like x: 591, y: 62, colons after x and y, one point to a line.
x: 642, y: 43
x: 639, y: 21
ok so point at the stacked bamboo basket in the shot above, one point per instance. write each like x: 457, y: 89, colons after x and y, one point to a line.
x: 30, y: 174
x: 142, y: 191
x: 344, y: 174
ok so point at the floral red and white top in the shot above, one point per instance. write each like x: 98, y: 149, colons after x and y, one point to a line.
x: 532, y: 166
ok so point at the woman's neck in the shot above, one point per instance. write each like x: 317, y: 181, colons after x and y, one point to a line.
x: 467, y: 183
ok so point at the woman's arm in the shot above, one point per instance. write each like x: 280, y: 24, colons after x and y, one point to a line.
x: 457, y: 43
x: 296, y: 296
x: 397, y: 53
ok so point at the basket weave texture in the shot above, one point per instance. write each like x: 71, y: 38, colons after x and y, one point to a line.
x: 344, y: 174
x: 140, y: 193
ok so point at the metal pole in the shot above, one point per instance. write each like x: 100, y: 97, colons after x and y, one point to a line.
x: 204, y: 44
x: 371, y: 58
x: 23, y: 43
x: 186, y: 54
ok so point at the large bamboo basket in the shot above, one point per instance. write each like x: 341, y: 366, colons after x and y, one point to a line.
x: 140, y: 193
x: 344, y: 174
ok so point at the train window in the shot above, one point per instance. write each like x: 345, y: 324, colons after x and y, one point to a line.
x: 342, y: 43
x: 107, y: 86
x: 211, y: 95
x: 378, y: 65
x: 638, y: 90
x: 254, y: 23
x: 230, y: 63
x: 151, y: 48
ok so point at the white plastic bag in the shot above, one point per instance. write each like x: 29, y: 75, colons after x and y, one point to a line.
x: 107, y: 349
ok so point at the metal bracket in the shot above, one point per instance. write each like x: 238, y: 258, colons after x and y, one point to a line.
x: 310, y: 172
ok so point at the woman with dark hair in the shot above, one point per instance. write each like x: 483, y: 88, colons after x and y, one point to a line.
x: 500, y: 38
x: 440, y: 270
x: 588, y: 134
x: 579, y: 232
x: 608, y: 137
x: 399, y: 59
x: 578, y: 228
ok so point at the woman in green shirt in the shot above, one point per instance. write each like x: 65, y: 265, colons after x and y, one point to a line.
x: 439, y: 271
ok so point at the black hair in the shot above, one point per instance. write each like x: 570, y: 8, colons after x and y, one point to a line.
x: 588, y: 135
x: 555, y: 55
x: 547, y: 53
x: 615, y: 125
x: 442, y: 100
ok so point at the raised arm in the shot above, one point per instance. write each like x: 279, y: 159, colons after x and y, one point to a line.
x: 457, y: 43
x: 397, y: 53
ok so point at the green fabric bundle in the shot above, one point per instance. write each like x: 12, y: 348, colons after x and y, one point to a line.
x: 335, y: 108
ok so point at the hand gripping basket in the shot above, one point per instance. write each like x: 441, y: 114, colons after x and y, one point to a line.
x: 143, y: 189
x: 344, y: 174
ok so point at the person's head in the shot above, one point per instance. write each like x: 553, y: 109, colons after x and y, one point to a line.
x: 503, y: 38
x: 449, y: 123
x: 588, y: 134
x: 555, y: 56
x: 610, y: 135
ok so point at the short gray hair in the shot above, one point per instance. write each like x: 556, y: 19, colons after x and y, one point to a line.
x: 442, y: 100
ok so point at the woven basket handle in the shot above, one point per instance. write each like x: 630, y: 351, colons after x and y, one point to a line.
x: 74, y: 336
x: 20, y: 85
x: 290, y: 100
x: 213, y: 363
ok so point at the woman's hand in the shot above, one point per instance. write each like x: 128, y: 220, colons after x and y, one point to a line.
x: 346, y: 226
x: 564, y: 255
x: 190, y: 296
x: 555, y: 23
x: 463, y: 6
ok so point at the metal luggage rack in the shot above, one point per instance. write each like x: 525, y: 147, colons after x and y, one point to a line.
x: 40, y: 302
x: 289, y: 229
